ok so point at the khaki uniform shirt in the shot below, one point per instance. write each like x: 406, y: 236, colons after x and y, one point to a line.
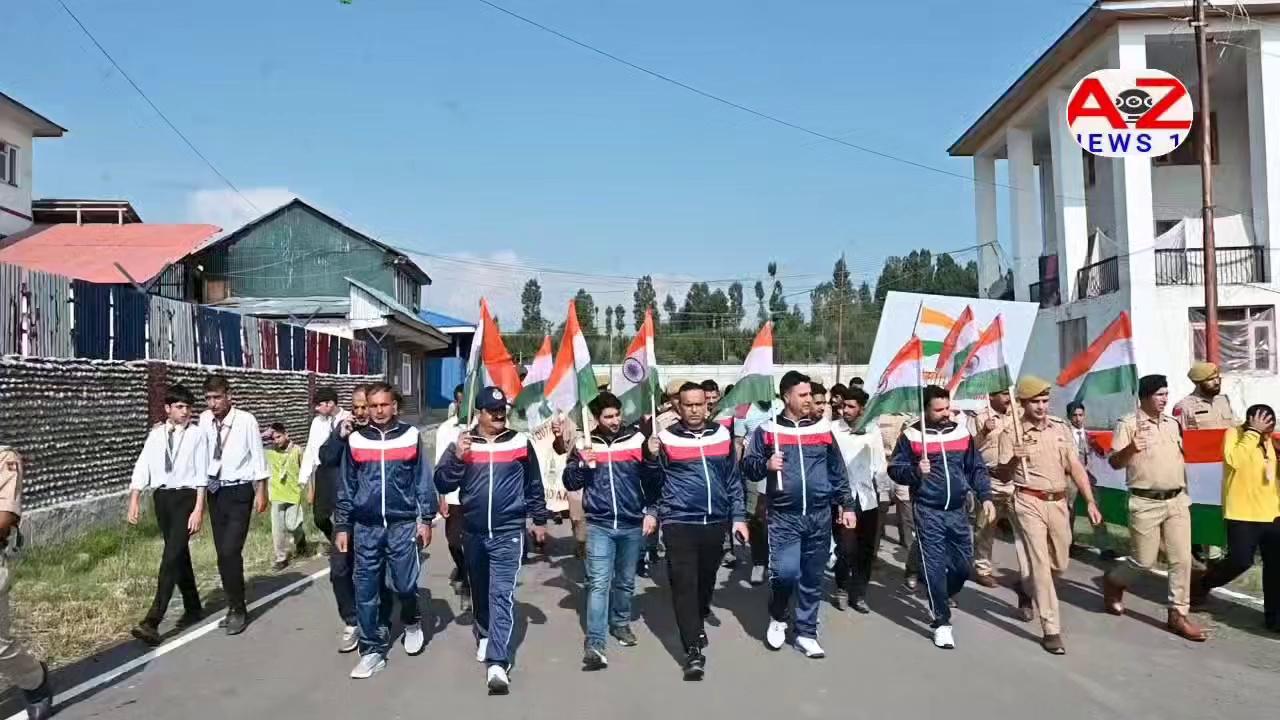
x: 1194, y: 412
x: 988, y: 442
x: 10, y: 480
x: 1160, y: 466
x: 1052, y: 447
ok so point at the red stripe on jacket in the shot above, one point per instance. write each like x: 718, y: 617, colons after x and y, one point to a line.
x: 478, y: 457
x: 810, y: 439
x: 619, y: 456
x: 679, y: 453
x: 406, y: 454
x: 959, y: 445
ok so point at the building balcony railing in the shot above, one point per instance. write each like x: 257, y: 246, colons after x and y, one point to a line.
x: 1098, y: 279
x: 1046, y: 293
x: 1236, y: 266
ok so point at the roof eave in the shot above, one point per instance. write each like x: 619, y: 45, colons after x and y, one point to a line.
x: 43, y: 127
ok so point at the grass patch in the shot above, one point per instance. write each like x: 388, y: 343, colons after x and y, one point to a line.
x: 78, y: 597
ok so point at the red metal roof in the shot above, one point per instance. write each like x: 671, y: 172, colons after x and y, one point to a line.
x: 89, y: 252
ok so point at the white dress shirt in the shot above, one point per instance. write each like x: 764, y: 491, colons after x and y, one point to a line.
x: 322, y: 426
x: 864, y: 463
x: 172, y: 458
x: 242, y: 459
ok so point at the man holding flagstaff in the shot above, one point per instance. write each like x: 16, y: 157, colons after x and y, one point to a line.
x: 796, y: 456
x: 988, y: 426
x: 1039, y: 459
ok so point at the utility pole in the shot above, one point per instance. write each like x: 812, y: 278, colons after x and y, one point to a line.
x: 1212, y: 350
x: 839, y: 337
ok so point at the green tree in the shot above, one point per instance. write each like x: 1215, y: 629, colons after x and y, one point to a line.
x: 762, y: 315
x: 672, y: 311
x: 737, y: 308
x: 645, y: 298
x: 619, y: 319
x: 532, y: 321
x: 586, y: 307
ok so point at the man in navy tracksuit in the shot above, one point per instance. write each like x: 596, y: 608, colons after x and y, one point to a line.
x: 386, y: 502
x: 701, y: 493
x: 797, y: 458
x: 617, y: 484
x: 501, y: 486
x: 941, y: 467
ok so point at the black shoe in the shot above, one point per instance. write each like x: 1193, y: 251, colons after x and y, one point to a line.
x: 464, y: 600
x: 146, y: 632
x: 593, y: 659
x: 711, y: 619
x: 624, y: 636
x: 236, y: 622
x: 1110, y: 555
x: 189, y: 618
x: 911, y: 582
x: 695, y: 665
x: 642, y: 569
x: 279, y: 565
x: 703, y: 641
x: 839, y: 599
x: 860, y: 606
x: 40, y: 701
x: 303, y: 548
x: 730, y: 561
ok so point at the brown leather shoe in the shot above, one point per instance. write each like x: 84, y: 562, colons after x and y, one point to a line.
x: 1182, y: 626
x: 986, y: 581
x: 1112, y: 596
x: 1052, y: 644
x: 1026, y: 610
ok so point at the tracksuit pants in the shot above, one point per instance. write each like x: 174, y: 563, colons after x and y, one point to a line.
x: 946, y: 553
x: 393, y: 550
x: 856, y: 552
x: 493, y: 562
x: 799, y: 546
x: 693, y: 559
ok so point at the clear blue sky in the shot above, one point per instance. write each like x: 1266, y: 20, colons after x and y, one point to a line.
x: 447, y: 126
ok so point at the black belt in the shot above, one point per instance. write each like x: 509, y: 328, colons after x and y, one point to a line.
x: 1156, y: 494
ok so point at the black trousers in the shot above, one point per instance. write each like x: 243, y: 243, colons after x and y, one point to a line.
x: 693, y: 558
x: 856, y: 552
x: 325, y: 480
x: 453, y: 532
x: 758, y: 528
x: 1244, y: 540
x: 173, y: 507
x: 229, y: 512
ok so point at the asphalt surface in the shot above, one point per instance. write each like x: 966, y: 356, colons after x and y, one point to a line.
x: 880, y: 665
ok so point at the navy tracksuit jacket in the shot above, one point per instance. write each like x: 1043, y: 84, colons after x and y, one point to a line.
x: 501, y: 485
x: 938, y: 501
x: 801, y: 498
x: 385, y: 492
x: 621, y: 485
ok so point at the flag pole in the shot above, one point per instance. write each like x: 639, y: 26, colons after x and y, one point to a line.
x: 924, y: 447
x: 777, y: 444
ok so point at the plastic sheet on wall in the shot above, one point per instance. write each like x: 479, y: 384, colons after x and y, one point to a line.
x: 92, y: 333
x: 267, y: 335
x: 252, y: 341
x: 209, y: 335
x: 172, y: 332
x: 10, y: 309
x: 312, y: 341
x: 344, y: 357
x: 129, y: 330
x: 232, y: 349
x: 299, y: 342
x: 357, y: 357
x: 322, y: 353
x: 50, y: 312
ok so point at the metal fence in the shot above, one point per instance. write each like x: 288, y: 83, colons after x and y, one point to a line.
x: 1235, y: 265
x: 50, y: 316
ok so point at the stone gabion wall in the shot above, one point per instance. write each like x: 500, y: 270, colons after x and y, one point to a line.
x: 80, y: 424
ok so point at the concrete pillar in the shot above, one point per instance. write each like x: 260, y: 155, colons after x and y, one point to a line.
x: 1263, y: 78
x: 1071, y: 217
x: 984, y: 212
x: 1022, y: 212
x: 1135, y: 227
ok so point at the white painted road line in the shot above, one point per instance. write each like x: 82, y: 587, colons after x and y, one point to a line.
x: 209, y: 625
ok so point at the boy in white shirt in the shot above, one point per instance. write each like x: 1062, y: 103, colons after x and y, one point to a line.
x: 173, y: 465
x: 868, y: 472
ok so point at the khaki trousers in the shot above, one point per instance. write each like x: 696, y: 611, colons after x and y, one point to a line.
x: 1044, y: 528
x: 16, y: 664
x: 984, y: 536
x: 577, y: 516
x: 1156, y: 525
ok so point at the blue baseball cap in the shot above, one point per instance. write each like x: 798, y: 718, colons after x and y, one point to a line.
x: 491, y: 398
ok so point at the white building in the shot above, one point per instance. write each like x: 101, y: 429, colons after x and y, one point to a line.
x: 19, y: 126
x: 1084, y: 229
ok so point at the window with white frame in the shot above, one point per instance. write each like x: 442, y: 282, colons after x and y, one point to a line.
x: 406, y: 374
x: 1073, y: 338
x: 1246, y: 338
x: 8, y: 163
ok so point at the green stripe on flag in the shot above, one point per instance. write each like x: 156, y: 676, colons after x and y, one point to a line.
x: 900, y: 400
x: 984, y: 383
x: 931, y: 347
x: 750, y: 389
x: 1122, y: 380
x: 1207, y: 527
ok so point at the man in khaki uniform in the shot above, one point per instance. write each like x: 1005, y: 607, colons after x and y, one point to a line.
x: 667, y: 411
x: 1148, y: 446
x: 1041, y: 463
x: 16, y: 664
x: 1206, y: 408
x: 987, y: 427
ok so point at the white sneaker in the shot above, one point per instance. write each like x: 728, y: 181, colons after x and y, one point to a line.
x: 776, y: 637
x: 414, y: 641
x: 757, y: 575
x: 368, y: 666
x: 482, y: 649
x: 350, y: 639
x: 498, y: 682
x: 810, y: 648
x: 942, y: 638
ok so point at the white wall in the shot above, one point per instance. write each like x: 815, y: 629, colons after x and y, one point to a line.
x: 17, y: 199
x: 1175, y: 189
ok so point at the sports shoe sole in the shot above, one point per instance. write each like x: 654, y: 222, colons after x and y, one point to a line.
x: 499, y: 687
x: 376, y: 669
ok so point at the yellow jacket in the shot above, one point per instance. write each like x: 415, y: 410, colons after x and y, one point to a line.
x: 1249, y: 489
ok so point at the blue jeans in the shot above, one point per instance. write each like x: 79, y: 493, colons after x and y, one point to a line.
x: 611, y: 570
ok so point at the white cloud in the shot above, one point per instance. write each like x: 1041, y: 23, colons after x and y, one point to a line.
x: 457, y: 286
x: 228, y: 210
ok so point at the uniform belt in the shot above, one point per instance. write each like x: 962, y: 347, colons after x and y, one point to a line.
x: 1155, y: 494
x: 1043, y: 495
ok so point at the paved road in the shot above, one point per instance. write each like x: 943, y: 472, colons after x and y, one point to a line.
x: 879, y: 666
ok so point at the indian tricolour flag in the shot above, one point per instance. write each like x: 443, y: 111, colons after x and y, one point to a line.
x: 635, y: 381
x: 932, y: 329
x: 1106, y: 367
x: 1202, y: 450
x: 572, y: 383
x: 900, y: 386
x: 755, y: 379
x: 985, y: 371
x: 958, y: 344
x: 489, y: 364
x: 532, y: 400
